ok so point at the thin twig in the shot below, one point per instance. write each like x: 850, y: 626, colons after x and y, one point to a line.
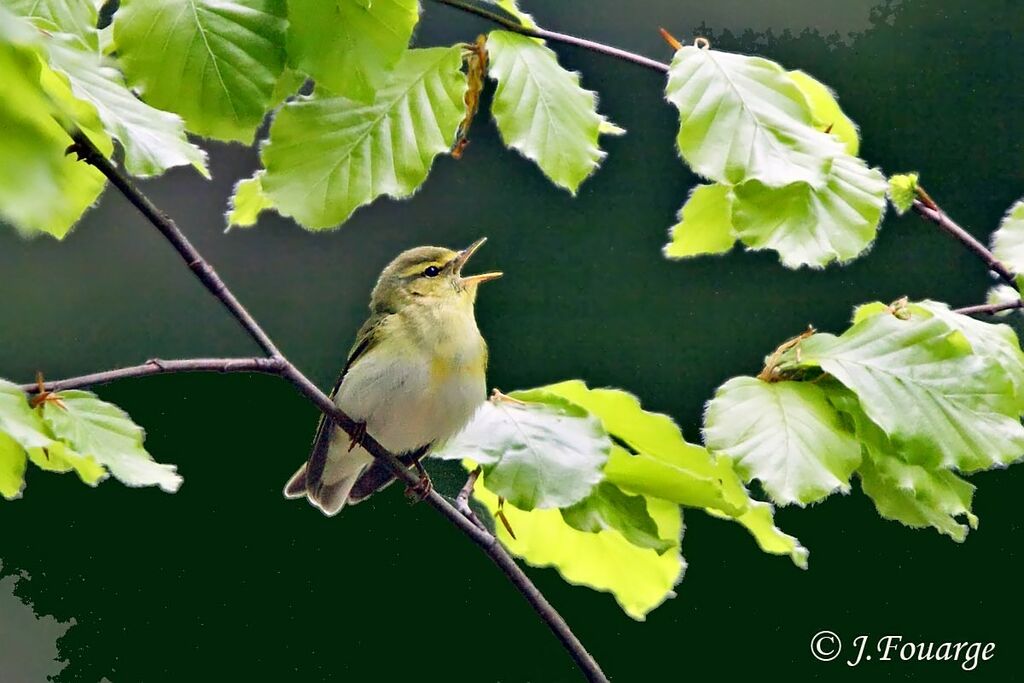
x: 156, y: 366
x: 197, y: 264
x: 556, y: 37
x: 938, y: 217
x: 462, y: 500
x: 990, y: 309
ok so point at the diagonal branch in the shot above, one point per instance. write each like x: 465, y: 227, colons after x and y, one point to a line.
x: 283, y: 367
x: 930, y: 211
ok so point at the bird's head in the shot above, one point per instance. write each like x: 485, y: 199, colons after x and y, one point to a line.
x: 428, y: 275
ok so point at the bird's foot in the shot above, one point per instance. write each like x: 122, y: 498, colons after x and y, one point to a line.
x: 356, y: 437
x: 421, y: 489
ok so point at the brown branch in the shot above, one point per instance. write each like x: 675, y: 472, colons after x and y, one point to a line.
x: 156, y: 366
x: 936, y: 215
x: 990, y: 309
x: 462, y: 500
x: 283, y: 367
x: 556, y: 37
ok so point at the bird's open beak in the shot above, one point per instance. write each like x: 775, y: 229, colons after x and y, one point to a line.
x: 464, y: 256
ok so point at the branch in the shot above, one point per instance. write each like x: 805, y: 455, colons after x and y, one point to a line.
x: 930, y: 211
x: 283, y: 367
x: 990, y: 309
x: 156, y: 366
x: 556, y: 37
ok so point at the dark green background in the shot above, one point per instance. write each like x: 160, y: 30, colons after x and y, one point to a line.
x: 227, y: 579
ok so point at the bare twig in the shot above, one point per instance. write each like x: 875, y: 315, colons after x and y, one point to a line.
x: 990, y: 309
x: 556, y: 37
x: 462, y: 500
x: 156, y: 366
x: 283, y: 367
x: 934, y: 214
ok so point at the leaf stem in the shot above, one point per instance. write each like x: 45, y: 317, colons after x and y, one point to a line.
x: 937, y: 216
x: 278, y: 364
x: 556, y: 37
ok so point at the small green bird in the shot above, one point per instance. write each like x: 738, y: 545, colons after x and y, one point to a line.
x: 414, y: 377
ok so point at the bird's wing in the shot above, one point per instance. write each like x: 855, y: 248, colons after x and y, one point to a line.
x: 367, y: 338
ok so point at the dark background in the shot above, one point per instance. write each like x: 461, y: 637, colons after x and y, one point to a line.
x: 226, y: 578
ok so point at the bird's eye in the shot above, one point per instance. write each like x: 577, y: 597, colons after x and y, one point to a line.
x: 432, y: 271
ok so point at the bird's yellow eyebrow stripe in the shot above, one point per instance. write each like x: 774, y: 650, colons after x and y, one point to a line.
x: 418, y: 268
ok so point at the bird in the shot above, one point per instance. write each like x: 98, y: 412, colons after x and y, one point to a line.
x: 413, y: 379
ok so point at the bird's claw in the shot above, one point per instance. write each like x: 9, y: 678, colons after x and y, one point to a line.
x: 356, y: 437
x: 421, y: 489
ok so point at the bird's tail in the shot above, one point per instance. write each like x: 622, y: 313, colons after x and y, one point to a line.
x: 329, y: 489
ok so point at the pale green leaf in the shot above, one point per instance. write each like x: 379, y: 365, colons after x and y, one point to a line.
x: 639, y: 578
x: 107, y: 434
x: 1002, y: 294
x: 662, y: 463
x: 609, y: 507
x: 59, y: 457
x: 512, y: 8
x: 537, y: 450
x: 786, y: 434
x: 542, y: 111
x: 917, y: 378
x: 903, y: 191
x: 826, y: 112
x: 349, y: 46
x: 328, y: 155
x: 1008, y: 240
x: 214, y: 62
x: 288, y: 84
x: 74, y: 17
x: 810, y: 225
x: 153, y: 140
x: 248, y: 201
x: 743, y: 118
x: 12, y: 468
x: 19, y: 421
x: 705, y: 224
x: 759, y: 520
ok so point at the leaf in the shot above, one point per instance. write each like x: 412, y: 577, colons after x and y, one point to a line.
x: 826, y: 112
x: 813, y: 226
x: 541, y: 110
x: 663, y: 464
x: 640, y: 579
x: 214, y: 62
x: 153, y: 140
x: 941, y: 404
x: 537, y: 450
x: 74, y: 17
x: 41, y: 188
x: 902, y: 191
x: 12, y: 468
x: 743, y: 118
x: 1008, y: 239
x: 512, y: 7
x: 107, y: 434
x: 1002, y: 294
x: 759, y: 520
x: 248, y: 201
x: 327, y: 156
x: 59, y: 457
x: 349, y: 46
x: 705, y: 224
x: 609, y: 507
x: 786, y: 434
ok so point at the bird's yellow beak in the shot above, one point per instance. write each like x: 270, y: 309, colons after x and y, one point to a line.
x: 464, y: 256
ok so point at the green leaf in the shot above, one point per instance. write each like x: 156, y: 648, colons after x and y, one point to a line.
x: 941, y: 404
x: 639, y: 578
x: 826, y: 112
x: 12, y: 468
x: 153, y: 140
x: 786, y: 434
x: 327, y: 156
x: 609, y: 507
x: 214, y: 62
x: 74, y: 17
x: 248, y: 201
x: 107, y: 434
x: 902, y: 191
x: 759, y: 520
x: 1008, y: 240
x: 662, y: 463
x: 810, y: 225
x: 541, y: 110
x: 349, y: 46
x: 537, y: 449
x: 705, y: 223
x: 1002, y: 294
x: 59, y: 457
x: 743, y: 118
x: 512, y: 8
x: 41, y: 188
